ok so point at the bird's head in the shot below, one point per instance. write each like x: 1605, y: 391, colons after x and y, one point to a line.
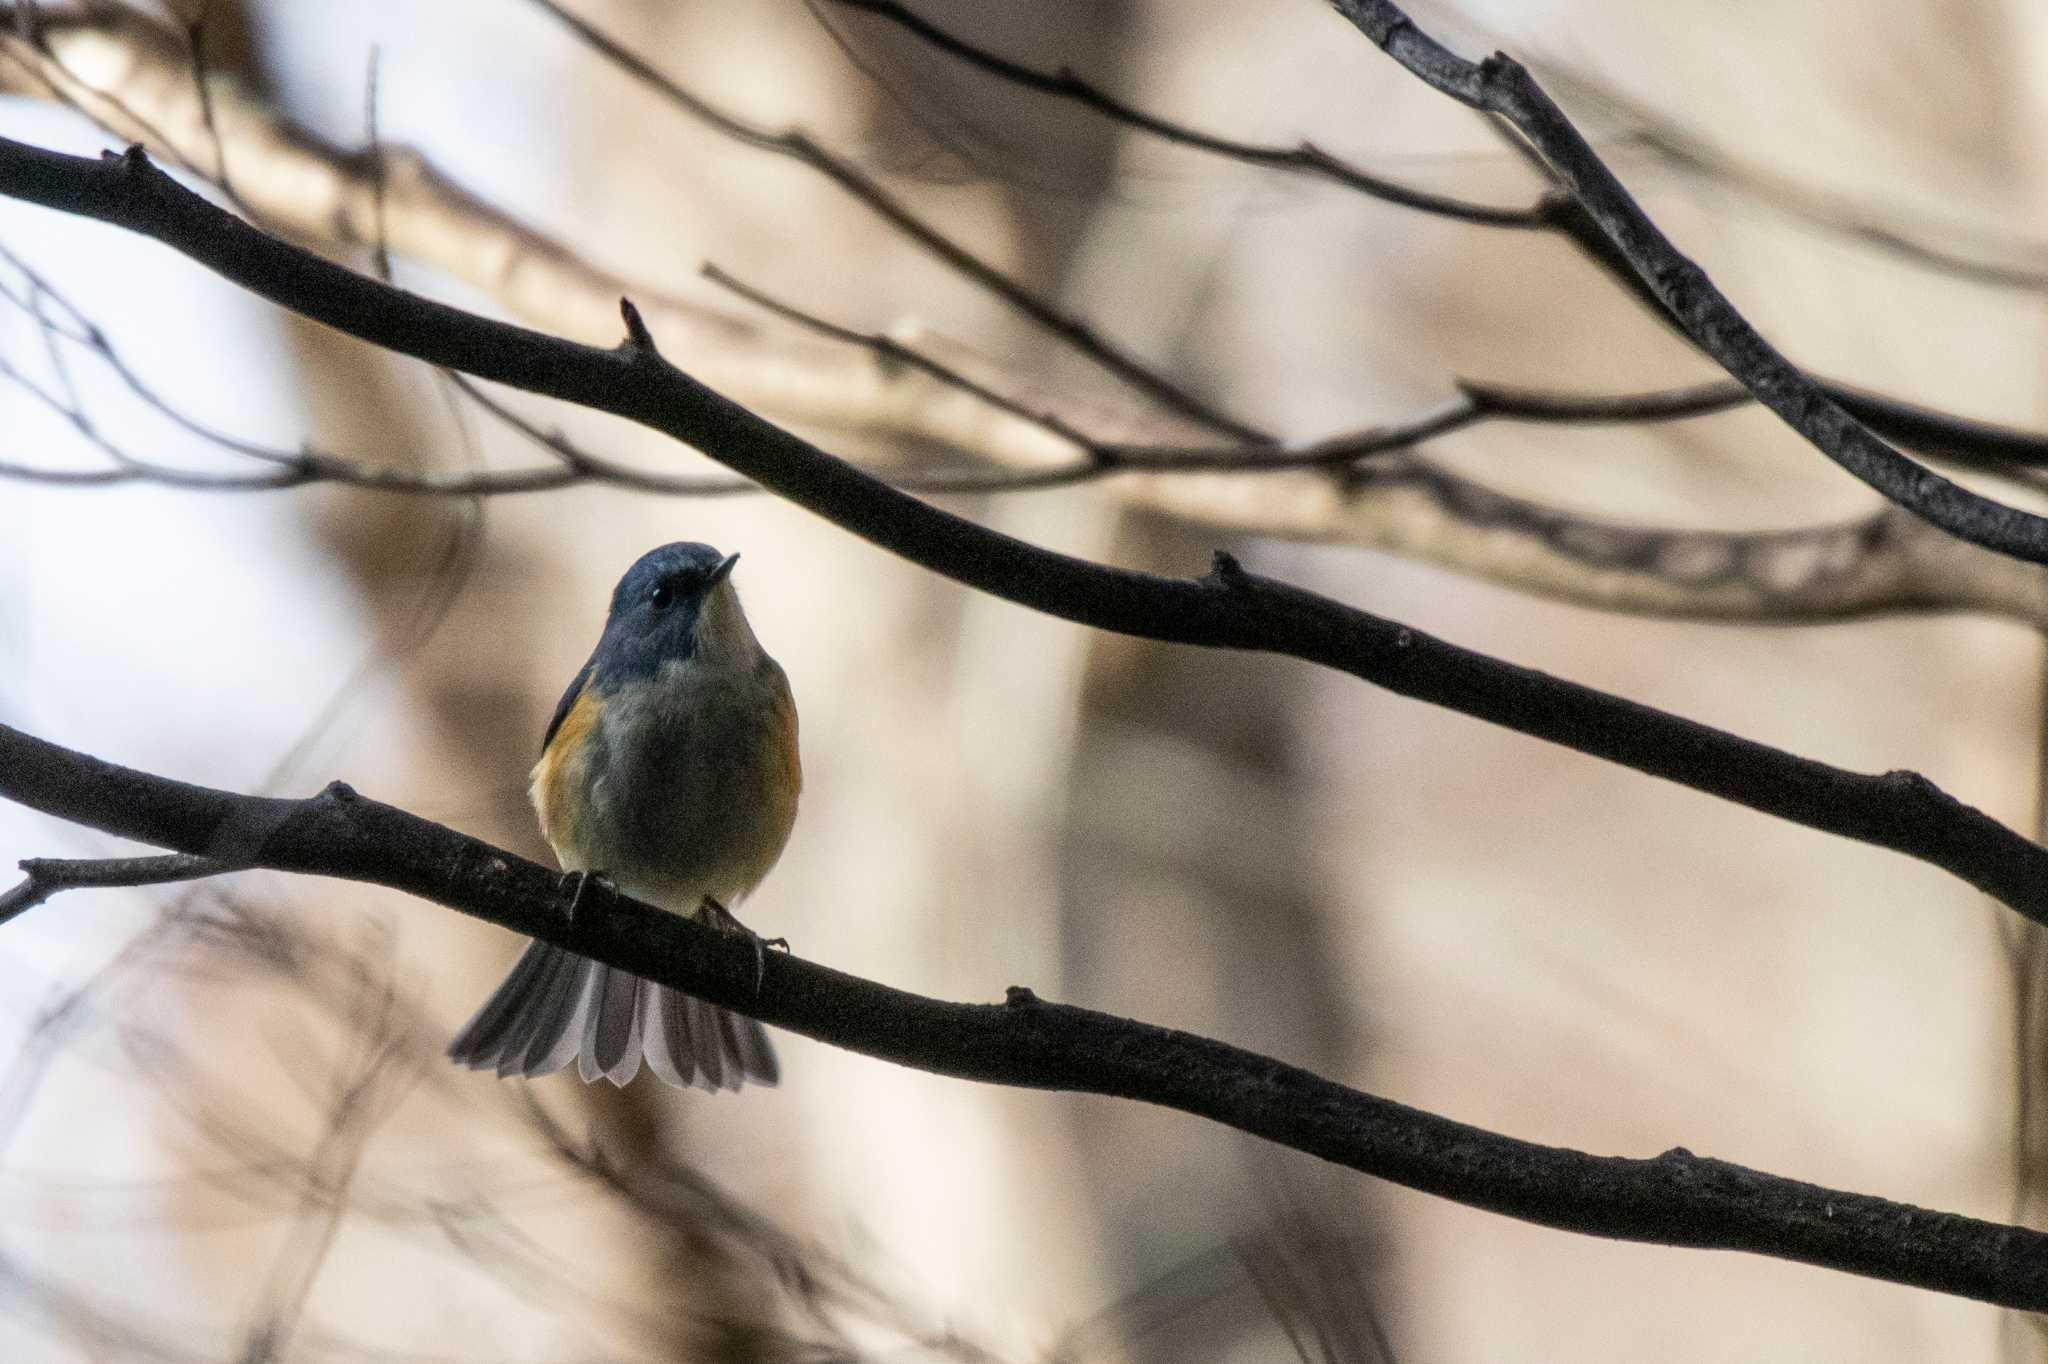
x: 677, y: 602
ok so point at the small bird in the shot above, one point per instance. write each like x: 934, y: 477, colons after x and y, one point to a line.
x: 670, y: 769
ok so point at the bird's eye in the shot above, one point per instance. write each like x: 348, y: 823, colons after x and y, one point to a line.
x: 661, y: 596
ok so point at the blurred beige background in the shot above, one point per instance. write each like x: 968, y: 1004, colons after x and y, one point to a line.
x: 227, y: 1133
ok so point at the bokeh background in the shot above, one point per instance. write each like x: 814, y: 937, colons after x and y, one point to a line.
x: 225, y: 1131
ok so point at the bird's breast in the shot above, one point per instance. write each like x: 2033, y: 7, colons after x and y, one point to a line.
x: 688, y: 783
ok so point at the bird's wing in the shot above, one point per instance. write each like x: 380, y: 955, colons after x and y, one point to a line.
x: 568, y: 702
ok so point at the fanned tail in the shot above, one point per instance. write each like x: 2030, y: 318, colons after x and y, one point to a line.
x: 556, y: 1007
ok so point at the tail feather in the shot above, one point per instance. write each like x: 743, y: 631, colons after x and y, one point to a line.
x: 665, y: 1037
x: 611, y: 1037
x: 553, y: 1040
x: 710, y: 1040
x: 747, y: 1044
x: 540, y: 984
x: 487, y: 1032
x: 556, y: 1007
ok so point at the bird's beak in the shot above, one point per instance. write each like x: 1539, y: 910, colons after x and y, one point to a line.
x: 722, y: 572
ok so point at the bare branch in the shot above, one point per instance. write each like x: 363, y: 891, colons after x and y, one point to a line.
x: 1228, y: 609
x: 1474, y: 404
x: 292, y: 179
x: 888, y: 352
x: 49, y: 875
x: 1500, y: 85
x: 1676, y: 1198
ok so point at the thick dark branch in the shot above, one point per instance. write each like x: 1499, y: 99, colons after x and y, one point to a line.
x: 1229, y: 609
x: 1500, y: 85
x: 1673, y: 1199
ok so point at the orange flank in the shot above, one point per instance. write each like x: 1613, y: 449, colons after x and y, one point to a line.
x: 785, y: 730
x: 557, y: 782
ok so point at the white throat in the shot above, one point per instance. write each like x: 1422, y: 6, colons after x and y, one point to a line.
x: 724, y: 639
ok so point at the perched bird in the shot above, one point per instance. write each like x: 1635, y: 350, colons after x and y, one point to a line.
x: 671, y: 769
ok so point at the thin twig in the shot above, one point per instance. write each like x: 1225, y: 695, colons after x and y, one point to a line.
x: 295, y: 469
x: 47, y: 876
x: 89, y: 336
x: 889, y: 351
x: 1076, y: 333
x: 195, y: 42
x: 379, y: 175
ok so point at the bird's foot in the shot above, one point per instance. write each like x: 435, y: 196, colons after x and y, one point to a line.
x: 722, y: 919
x: 574, y: 883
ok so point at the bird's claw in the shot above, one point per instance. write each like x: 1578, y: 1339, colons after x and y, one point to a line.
x: 722, y: 919
x: 581, y: 880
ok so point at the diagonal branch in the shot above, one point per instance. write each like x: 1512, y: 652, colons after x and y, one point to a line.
x: 1500, y: 85
x: 1228, y: 609
x: 1676, y: 1198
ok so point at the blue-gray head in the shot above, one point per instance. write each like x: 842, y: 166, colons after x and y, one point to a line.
x: 675, y: 603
